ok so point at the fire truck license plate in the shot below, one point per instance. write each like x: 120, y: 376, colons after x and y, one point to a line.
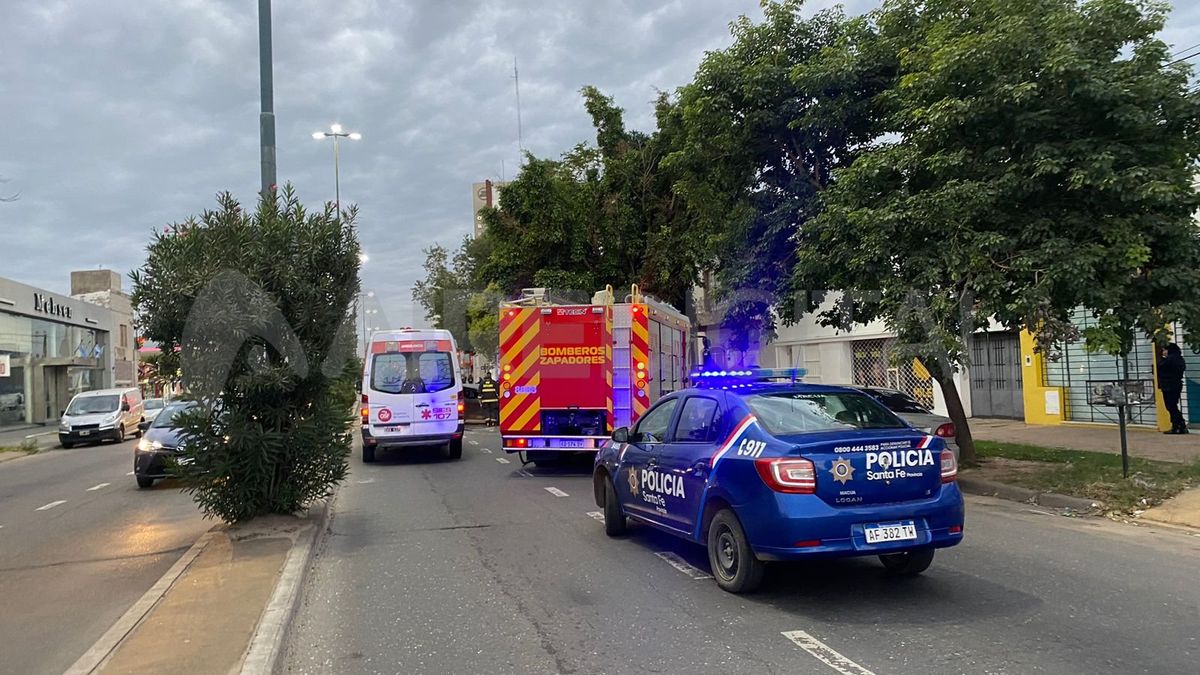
x: 891, y: 532
x: 570, y: 443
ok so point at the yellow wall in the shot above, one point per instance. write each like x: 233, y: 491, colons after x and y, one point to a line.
x: 1164, y: 419
x: 1034, y: 389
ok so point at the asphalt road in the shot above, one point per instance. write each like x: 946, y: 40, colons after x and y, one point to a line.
x: 432, y: 566
x: 79, y: 544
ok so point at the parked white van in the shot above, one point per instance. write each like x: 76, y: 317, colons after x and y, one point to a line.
x: 412, y: 393
x: 104, y: 414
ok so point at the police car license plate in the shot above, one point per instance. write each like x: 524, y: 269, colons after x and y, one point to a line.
x: 892, y: 532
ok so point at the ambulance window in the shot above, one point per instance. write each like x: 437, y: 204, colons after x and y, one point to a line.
x: 412, y: 372
x: 652, y: 428
x: 697, y: 421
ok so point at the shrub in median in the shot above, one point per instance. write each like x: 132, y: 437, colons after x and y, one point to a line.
x: 255, y: 309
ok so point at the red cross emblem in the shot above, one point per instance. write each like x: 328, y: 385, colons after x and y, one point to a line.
x: 426, y: 414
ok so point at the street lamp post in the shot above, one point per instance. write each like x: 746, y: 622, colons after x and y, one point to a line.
x: 337, y: 133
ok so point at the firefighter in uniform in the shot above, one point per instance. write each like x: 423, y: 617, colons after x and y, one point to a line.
x: 489, y: 398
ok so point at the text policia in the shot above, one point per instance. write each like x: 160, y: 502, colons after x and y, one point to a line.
x: 572, y: 356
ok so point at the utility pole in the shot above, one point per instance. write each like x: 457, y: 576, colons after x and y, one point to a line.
x: 266, y: 118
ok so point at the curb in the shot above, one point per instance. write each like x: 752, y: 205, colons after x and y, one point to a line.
x: 263, y: 655
x: 95, y: 657
x: 987, y: 488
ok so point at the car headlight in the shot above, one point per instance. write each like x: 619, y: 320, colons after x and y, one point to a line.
x: 147, y: 445
x: 63, y: 426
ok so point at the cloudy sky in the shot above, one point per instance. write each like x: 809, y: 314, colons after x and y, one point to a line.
x: 122, y: 116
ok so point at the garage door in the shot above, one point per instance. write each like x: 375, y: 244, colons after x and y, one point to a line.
x: 996, y: 376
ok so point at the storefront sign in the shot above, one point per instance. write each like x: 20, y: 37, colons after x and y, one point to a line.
x: 5, y: 365
x: 46, y: 305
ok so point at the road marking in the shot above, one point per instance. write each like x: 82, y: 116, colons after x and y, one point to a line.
x: 51, y: 505
x: 472, y: 441
x: 364, y: 482
x: 129, y: 474
x: 502, y: 460
x: 683, y: 566
x: 825, y: 654
x: 556, y: 492
x: 596, y: 516
x: 98, y: 487
x: 523, y: 473
x: 485, y: 450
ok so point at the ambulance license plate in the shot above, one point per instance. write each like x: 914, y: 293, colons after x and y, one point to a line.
x: 877, y: 534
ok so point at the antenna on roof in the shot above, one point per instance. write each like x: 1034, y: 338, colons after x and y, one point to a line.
x: 517, y: 84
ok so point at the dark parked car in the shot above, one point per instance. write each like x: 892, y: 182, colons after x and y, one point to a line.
x: 911, y: 411
x: 474, y: 411
x: 159, y: 445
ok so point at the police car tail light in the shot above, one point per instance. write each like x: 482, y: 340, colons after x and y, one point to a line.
x: 949, y: 467
x: 947, y: 430
x: 781, y: 474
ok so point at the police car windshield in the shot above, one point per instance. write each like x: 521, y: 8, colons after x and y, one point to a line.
x: 412, y: 372
x: 792, y: 412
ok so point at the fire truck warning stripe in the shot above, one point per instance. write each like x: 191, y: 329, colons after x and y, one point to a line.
x: 517, y: 351
x: 515, y: 327
x: 522, y: 407
x: 523, y: 367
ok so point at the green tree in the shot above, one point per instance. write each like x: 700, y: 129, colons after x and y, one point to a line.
x: 445, y: 290
x: 756, y: 138
x: 259, y: 305
x: 483, y: 320
x: 1034, y: 156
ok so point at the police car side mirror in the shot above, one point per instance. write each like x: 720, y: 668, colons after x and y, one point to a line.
x: 621, y: 435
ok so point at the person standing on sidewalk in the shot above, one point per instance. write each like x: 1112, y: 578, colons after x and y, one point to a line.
x: 488, y: 398
x: 1170, y: 381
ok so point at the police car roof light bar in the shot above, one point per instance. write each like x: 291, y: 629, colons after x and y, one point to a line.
x: 738, y: 379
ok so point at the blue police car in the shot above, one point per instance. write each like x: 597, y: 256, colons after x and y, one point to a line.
x: 759, y: 470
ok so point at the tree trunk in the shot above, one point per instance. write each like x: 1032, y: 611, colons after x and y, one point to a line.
x: 954, y: 406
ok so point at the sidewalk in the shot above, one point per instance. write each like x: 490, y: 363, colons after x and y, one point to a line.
x: 45, y: 436
x: 1145, y: 443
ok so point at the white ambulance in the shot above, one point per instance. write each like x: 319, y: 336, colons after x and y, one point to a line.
x: 412, y: 393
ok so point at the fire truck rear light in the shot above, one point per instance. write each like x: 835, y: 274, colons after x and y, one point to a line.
x: 507, y: 367
x: 507, y: 376
x: 521, y: 442
x: 949, y: 467
x: 641, y: 366
x: 794, y: 476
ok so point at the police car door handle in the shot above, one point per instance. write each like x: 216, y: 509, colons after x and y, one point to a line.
x: 652, y: 462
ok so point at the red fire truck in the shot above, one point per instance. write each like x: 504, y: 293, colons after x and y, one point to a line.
x: 571, y: 373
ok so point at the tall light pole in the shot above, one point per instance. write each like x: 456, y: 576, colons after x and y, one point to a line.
x: 337, y: 133
x: 266, y: 118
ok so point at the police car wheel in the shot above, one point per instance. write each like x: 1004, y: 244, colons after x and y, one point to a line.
x: 734, y: 565
x: 907, y: 564
x: 615, y: 522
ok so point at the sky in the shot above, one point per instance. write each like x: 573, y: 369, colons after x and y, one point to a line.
x: 121, y: 117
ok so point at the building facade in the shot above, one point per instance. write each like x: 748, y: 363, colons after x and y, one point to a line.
x: 52, y: 346
x: 485, y: 195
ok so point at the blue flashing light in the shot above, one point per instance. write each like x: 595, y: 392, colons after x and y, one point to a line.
x: 741, y: 379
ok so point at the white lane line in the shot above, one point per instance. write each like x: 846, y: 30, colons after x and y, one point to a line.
x: 556, y: 492
x: 502, y: 460
x: 472, y: 441
x: 825, y: 654
x: 596, y: 516
x: 683, y: 566
x: 129, y: 474
x: 51, y: 505
x: 485, y: 450
x: 98, y: 487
